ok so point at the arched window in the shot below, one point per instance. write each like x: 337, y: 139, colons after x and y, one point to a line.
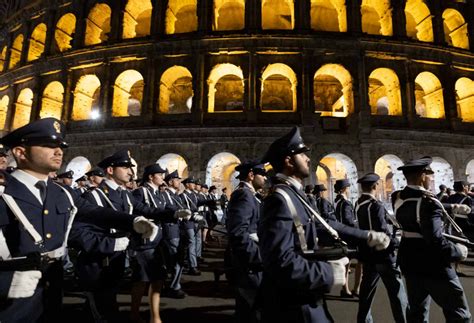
x: 98, y: 24
x: 229, y: 15
x: 418, y: 21
x: 37, y: 41
x: 220, y: 171
x: 429, y: 96
x: 4, y: 111
x: 465, y: 99
x: 52, y: 102
x: 15, y: 52
x: 86, y: 98
x: 172, y: 162
x: 455, y: 29
x: 333, y: 95
x: 391, y: 178
x: 176, y: 91
x: 384, y: 92
x: 278, y: 14
x: 226, y: 88
x: 181, y: 16
x: 23, y: 108
x: 137, y: 18
x: 3, y: 56
x: 64, y: 32
x: 278, y: 91
x: 337, y: 166
x: 329, y: 15
x: 376, y: 17
x: 443, y: 174
x: 128, y: 94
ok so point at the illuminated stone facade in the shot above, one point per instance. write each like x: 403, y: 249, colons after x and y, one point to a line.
x: 202, y: 84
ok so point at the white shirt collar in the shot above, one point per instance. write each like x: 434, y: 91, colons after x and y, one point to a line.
x: 291, y: 180
x: 112, y: 184
x: 250, y: 186
x: 172, y: 190
x: 153, y: 186
x: 29, y: 181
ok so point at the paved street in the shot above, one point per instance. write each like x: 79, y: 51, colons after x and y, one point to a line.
x: 209, y: 301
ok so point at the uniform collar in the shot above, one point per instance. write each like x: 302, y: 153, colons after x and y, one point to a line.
x: 172, y: 190
x: 290, y: 180
x: 26, y: 178
x: 249, y: 186
x: 153, y: 186
x: 368, y: 194
x: 112, y: 184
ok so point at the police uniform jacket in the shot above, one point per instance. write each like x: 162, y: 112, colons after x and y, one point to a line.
x: 443, y: 197
x: 243, y: 216
x: 460, y: 198
x: 345, y: 211
x: 371, y: 214
x: 426, y: 252
x: 293, y: 287
x: 173, y: 201
x: 192, y: 201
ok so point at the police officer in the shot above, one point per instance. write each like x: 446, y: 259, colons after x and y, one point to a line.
x: 66, y: 178
x: 81, y: 185
x: 35, y: 218
x: 461, y: 197
x: 147, y: 263
x: 3, y: 157
x: 244, y: 213
x: 377, y: 264
x: 443, y: 193
x: 325, y: 208
x: 101, y: 263
x: 425, y: 255
x: 95, y: 176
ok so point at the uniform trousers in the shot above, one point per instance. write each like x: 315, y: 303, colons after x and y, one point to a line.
x: 447, y: 293
x: 171, y: 247
x: 198, y: 234
x: 189, y: 238
x: 247, y: 305
x: 392, y: 279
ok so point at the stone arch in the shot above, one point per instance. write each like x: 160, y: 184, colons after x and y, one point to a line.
x: 329, y: 15
x: 220, y: 171
x: 429, y: 96
x: 391, y: 179
x: 86, y: 97
x: 23, y: 108
x: 278, y: 14
x: 98, y: 24
x: 137, y: 19
x: 376, y: 17
x: 229, y: 15
x: 384, y: 84
x: 465, y: 99
x: 37, y: 42
x: 79, y: 165
x: 176, y: 91
x: 3, y: 57
x: 128, y: 94
x: 4, y: 112
x: 64, y: 33
x: 418, y: 21
x: 455, y: 29
x: 278, y: 89
x: 333, y: 95
x: 15, y: 51
x: 443, y: 174
x: 52, y: 101
x: 226, y: 88
x: 470, y: 171
x: 172, y: 162
x: 336, y: 166
x: 181, y: 16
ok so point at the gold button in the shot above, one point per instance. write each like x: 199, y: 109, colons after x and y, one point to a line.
x: 48, y: 235
x: 46, y: 212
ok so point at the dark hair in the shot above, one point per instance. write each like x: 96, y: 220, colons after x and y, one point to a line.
x: 368, y: 186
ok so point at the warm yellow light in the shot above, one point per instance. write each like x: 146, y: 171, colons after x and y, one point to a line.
x: 128, y: 94
x: 376, y: 17
x: 176, y: 90
x: 3, y: 55
x: 137, y: 18
x: 15, y: 52
x: 418, y: 21
x: 429, y: 96
x: 465, y: 99
x: 229, y: 15
x: 181, y: 16
x: 333, y: 95
x: 383, y: 83
x: 225, y: 92
x: 455, y: 29
x: 98, y: 24
x: 4, y: 111
x: 23, y: 108
x: 278, y: 89
x: 278, y: 14
x: 52, y: 101
x: 37, y: 41
x: 65, y: 29
x: 86, y: 95
x: 329, y: 15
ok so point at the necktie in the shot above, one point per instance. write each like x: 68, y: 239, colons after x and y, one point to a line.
x: 41, y: 185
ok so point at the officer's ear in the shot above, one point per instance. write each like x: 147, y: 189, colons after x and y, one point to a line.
x: 109, y: 170
x: 19, y: 153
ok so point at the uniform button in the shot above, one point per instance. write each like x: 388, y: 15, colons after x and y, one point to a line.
x: 46, y: 212
x: 48, y: 235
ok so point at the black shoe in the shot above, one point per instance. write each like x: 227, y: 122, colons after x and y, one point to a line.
x: 201, y: 259
x: 175, y: 293
x: 346, y: 294
x: 194, y: 272
x: 354, y: 294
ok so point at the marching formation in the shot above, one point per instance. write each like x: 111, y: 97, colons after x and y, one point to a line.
x: 288, y: 245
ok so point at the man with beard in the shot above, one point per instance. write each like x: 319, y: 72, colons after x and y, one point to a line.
x: 293, y: 286
x: 35, y: 218
x: 425, y: 255
x: 243, y: 216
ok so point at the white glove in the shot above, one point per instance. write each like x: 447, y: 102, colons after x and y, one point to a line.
x: 254, y: 237
x: 187, y: 218
x: 460, y: 209
x: 121, y: 244
x: 144, y: 226
x: 339, y: 273
x: 378, y: 240
x: 24, y: 283
x: 463, y: 250
x: 182, y: 214
x: 198, y: 217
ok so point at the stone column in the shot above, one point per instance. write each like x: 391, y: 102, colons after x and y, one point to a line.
x: 302, y: 15
x: 354, y: 20
x: 204, y: 13
x: 253, y: 16
x: 399, y: 19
